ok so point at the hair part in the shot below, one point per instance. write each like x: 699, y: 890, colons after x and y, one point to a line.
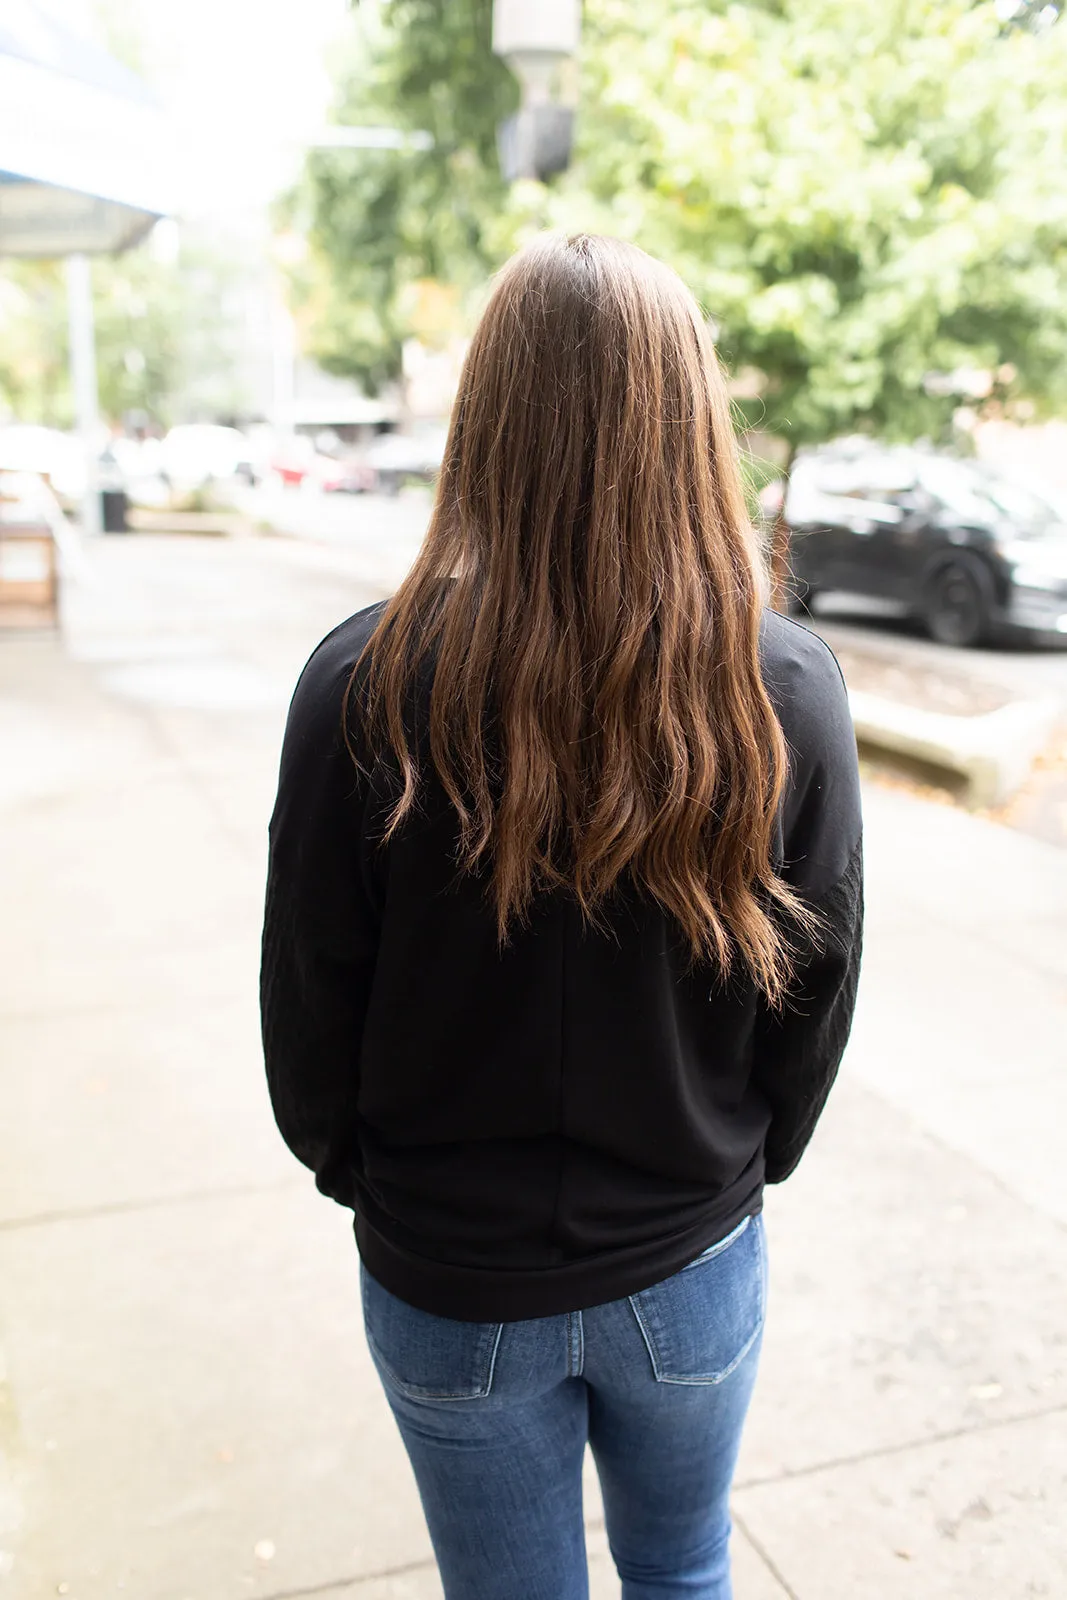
x: 586, y: 608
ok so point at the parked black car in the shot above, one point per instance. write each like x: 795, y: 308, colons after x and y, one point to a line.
x: 971, y: 553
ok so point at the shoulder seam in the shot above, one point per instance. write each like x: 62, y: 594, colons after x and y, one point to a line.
x: 811, y: 634
x: 357, y: 617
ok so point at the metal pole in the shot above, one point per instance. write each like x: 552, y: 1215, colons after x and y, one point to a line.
x: 283, y: 362
x: 83, y: 381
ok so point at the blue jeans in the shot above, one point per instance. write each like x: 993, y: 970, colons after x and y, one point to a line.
x: 496, y: 1417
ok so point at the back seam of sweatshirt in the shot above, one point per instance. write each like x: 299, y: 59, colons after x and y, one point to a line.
x: 557, y: 1204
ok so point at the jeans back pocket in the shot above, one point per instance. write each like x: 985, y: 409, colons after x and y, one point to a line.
x: 699, y: 1325
x: 423, y: 1356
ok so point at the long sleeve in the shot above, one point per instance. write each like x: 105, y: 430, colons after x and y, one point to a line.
x: 320, y: 932
x: 798, y: 1049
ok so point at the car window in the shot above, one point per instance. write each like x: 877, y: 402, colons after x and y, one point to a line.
x: 875, y: 477
x: 855, y: 488
x: 1019, y: 503
x: 958, y: 488
x: 857, y: 492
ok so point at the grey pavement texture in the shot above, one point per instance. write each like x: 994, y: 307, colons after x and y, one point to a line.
x: 187, y: 1408
x: 876, y: 649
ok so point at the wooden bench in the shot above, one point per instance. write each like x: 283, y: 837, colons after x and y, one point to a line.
x: 29, y: 569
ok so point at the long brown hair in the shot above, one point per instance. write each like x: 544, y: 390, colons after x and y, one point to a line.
x: 587, y: 600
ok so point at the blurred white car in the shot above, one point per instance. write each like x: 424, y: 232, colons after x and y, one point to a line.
x: 46, y: 452
x: 397, y: 457
x: 195, y: 454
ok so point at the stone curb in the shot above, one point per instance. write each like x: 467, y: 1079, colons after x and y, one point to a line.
x: 993, y: 752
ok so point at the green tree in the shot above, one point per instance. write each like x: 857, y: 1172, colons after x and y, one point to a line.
x: 34, y: 381
x: 869, y: 198
x: 862, y: 194
x: 381, y: 220
x: 168, y: 334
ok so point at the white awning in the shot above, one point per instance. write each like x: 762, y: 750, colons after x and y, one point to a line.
x: 84, y: 151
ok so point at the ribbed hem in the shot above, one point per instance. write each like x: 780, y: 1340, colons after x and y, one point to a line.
x: 493, y: 1294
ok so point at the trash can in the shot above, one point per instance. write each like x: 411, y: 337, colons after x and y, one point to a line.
x: 114, y: 504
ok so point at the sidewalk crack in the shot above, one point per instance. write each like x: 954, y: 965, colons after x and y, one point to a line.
x: 764, y: 1555
x: 112, y: 1208
x: 881, y: 1451
x: 332, y: 1584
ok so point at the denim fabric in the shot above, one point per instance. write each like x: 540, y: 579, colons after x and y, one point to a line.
x: 496, y: 1418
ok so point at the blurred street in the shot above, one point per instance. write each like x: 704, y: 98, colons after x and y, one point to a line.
x: 187, y: 1409
x: 1032, y: 669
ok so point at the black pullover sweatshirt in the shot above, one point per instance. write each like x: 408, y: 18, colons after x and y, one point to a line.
x: 572, y: 1118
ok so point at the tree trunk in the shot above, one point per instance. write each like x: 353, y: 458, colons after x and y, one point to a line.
x: 781, y: 572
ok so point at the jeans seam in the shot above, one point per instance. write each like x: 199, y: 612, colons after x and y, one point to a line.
x: 761, y: 1240
x: 491, y: 1374
x: 414, y: 1392
x: 716, y: 1249
x: 709, y: 1380
x: 575, y: 1344
x: 649, y: 1346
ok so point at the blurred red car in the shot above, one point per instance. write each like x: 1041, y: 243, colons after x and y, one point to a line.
x: 297, y: 462
x: 347, y: 477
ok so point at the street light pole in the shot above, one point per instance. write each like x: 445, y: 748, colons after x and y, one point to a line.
x: 83, y: 381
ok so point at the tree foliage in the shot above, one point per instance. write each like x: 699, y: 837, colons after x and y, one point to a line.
x: 167, y: 336
x: 869, y: 197
x: 382, y: 220
x: 862, y: 195
x: 33, y: 343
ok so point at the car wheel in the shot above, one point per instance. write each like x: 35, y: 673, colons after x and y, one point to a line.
x: 955, y: 606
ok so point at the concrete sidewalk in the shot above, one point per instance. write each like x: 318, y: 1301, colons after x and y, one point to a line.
x: 187, y: 1410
